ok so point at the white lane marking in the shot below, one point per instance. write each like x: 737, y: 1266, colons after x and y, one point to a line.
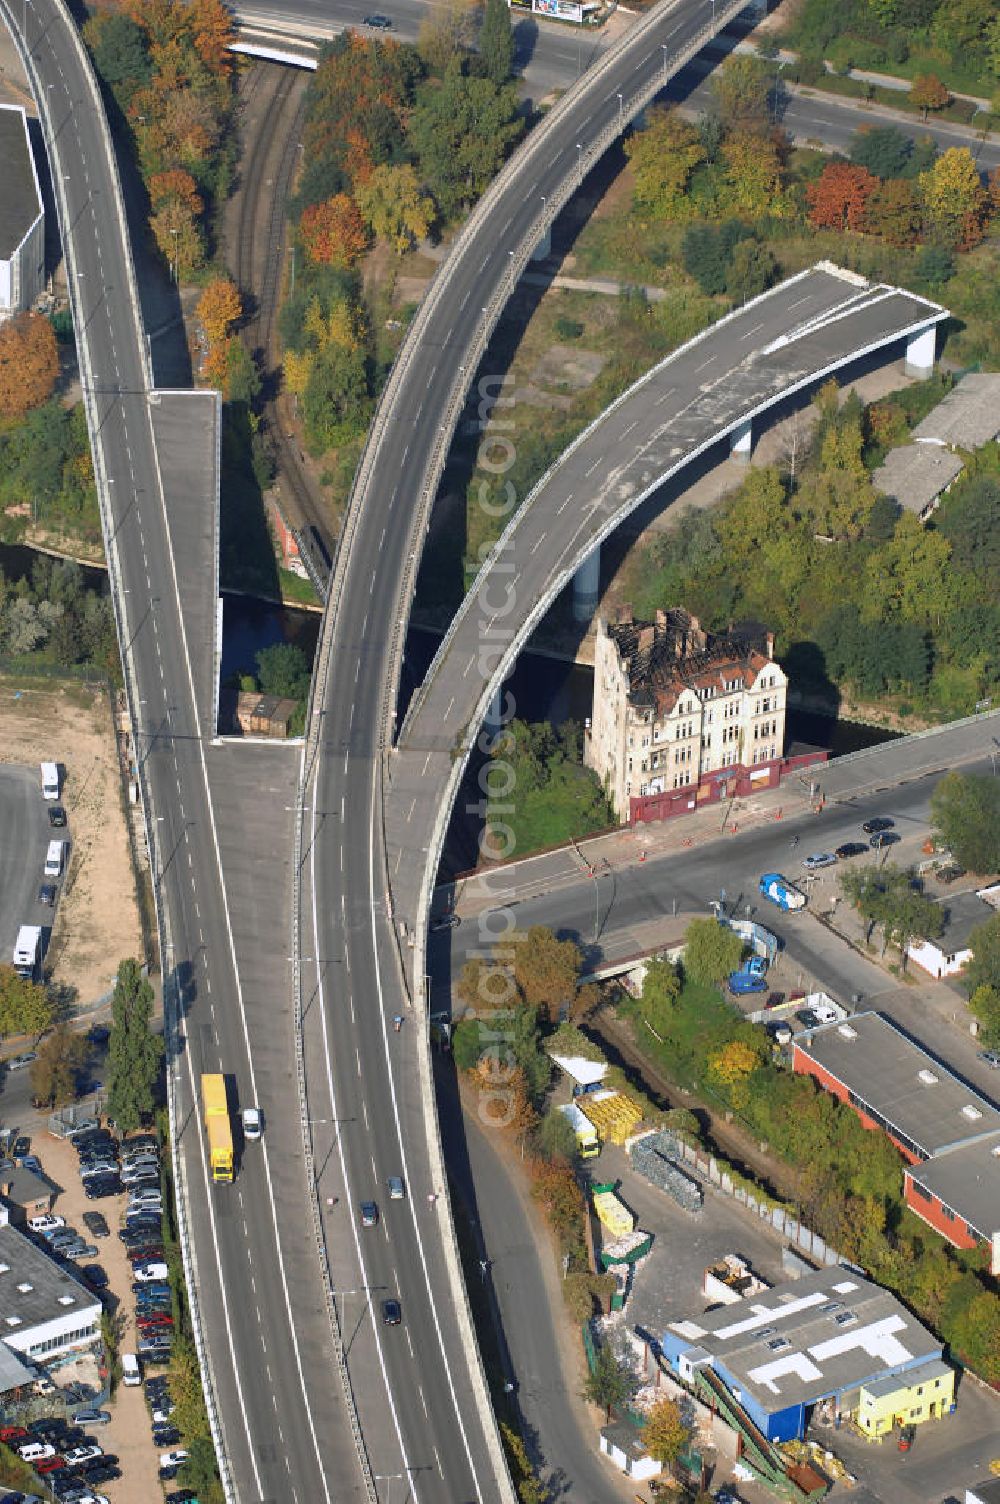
x: 704, y: 363
x: 751, y: 332
x: 375, y: 892
x: 565, y: 504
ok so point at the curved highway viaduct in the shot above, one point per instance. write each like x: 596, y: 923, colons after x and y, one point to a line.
x: 711, y: 389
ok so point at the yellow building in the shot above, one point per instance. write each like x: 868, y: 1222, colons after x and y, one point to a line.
x: 905, y: 1399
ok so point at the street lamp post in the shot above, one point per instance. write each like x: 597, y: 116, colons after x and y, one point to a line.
x: 621, y: 111
x: 579, y: 162
x: 663, y: 49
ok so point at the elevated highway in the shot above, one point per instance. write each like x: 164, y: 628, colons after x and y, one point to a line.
x: 250, y: 1258
x: 710, y: 390
x: 374, y: 1083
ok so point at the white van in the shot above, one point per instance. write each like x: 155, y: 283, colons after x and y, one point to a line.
x: 50, y: 780
x: 54, y: 859
x: 131, y: 1376
x: 28, y: 950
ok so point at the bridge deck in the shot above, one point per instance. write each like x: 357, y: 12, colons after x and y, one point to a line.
x: 789, y: 339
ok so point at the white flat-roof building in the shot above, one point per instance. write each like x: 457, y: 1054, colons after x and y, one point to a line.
x: 22, y: 217
x: 44, y: 1308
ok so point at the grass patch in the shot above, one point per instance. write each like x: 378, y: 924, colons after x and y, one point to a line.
x: 296, y: 590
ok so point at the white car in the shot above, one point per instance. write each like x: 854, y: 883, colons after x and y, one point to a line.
x: 47, y: 1222
x: 253, y: 1124
x: 82, y: 1454
x: 144, y: 1273
x: 35, y: 1451
x: 172, y: 1459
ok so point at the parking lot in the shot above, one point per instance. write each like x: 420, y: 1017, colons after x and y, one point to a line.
x: 127, y: 1436
x: 24, y: 821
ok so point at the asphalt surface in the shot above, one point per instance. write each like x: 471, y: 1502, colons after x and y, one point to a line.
x: 351, y: 946
x: 26, y: 834
x: 799, y: 332
x: 283, y: 1434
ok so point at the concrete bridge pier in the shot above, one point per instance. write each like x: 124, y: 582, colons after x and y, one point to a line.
x: 920, y: 351
x: 543, y: 250
x: 741, y: 443
x: 587, y: 587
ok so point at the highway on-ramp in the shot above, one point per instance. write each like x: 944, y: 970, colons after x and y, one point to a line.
x: 258, y: 1298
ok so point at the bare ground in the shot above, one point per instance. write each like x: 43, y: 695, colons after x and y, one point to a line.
x: 97, y: 920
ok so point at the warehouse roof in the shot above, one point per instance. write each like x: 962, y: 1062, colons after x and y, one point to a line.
x: 968, y: 417
x: 898, y: 1084
x: 916, y: 474
x: 20, y: 197
x: 967, y: 1180
x: 33, y: 1287
x: 830, y: 1331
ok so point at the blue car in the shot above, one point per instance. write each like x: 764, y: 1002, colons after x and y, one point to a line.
x: 742, y: 982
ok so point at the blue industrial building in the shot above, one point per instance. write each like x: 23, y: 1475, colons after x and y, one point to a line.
x: 825, y: 1337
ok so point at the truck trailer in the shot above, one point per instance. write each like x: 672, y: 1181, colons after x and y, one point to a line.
x: 587, y: 1142
x: 218, y: 1127
x: 778, y: 890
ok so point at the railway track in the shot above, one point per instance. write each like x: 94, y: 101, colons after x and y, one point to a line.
x: 277, y: 98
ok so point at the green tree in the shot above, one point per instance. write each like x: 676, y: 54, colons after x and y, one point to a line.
x: 610, y: 1382
x: 884, y: 149
x: 984, y: 1005
x: 200, y: 1471
x: 465, y: 1044
x: 25, y: 1006
x: 711, y: 951
x: 752, y: 270
x: 741, y: 88
x: 496, y: 41
x: 55, y: 1074
x: 660, y: 989
x: 121, y: 53
x: 134, y: 1051
x: 556, y: 1138
x: 461, y: 131
x: 282, y: 670
x: 336, y: 401
x: 965, y: 813
x: 663, y: 156
x: 984, y: 968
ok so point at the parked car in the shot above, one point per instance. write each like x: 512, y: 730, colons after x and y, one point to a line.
x: 882, y: 838
x: 948, y: 872
x: 808, y: 1019
x: 779, y: 1031
x: 45, y: 1222
x: 819, y: 859
x: 378, y: 22
x: 849, y: 849
x: 20, y: 1062
x: 82, y: 1453
x: 173, y: 1459
x: 47, y: 894
x: 89, y: 1417
x: 876, y: 824
x: 742, y: 982
x: 33, y: 1163
x: 146, y: 1271
x: 990, y: 1058
x: 95, y: 1224
x: 57, y: 816
x: 774, y: 1000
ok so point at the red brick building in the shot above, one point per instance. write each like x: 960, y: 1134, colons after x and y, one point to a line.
x: 948, y: 1134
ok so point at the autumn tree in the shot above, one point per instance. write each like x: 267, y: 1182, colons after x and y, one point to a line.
x: 333, y: 232
x: 212, y: 32
x: 894, y: 212
x: 554, y: 1186
x: 665, y: 1435
x: 734, y: 1063
x: 448, y: 31
x: 839, y: 197
x: 354, y: 112
x: 29, y: 363
x: 954, y: 198
x: 663, y: 156
x: 219, y: 309
x: 927, y: 92
x: 56, y: 1072
x: 741, y: 88
x: 394, y: 206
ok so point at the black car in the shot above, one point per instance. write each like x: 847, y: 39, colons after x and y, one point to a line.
x: 378, y: 21
x: 95, y: 1224
x: 392, y: 1312
x: 47, y: 895
x: 808, y: 1019
x: 22, y: 1146
x: 102, y: 1470
x: 166, y: 1436
x: 57, y: 816
x: 876, y: 823
x: 850, y: 848
x: 882, y: 838
x: 110, y: 1185
x: 948, y: 872
x: 95, y: 1276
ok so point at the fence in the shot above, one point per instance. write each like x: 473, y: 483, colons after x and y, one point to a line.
x: 781, y: 1218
